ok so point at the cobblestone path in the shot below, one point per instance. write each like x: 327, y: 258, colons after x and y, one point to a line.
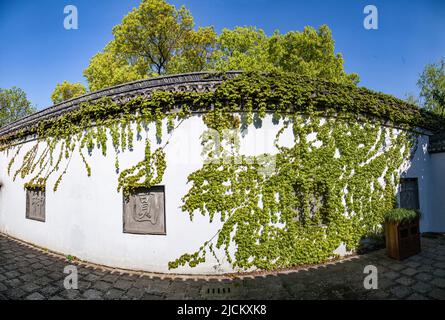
x: 30, y: 273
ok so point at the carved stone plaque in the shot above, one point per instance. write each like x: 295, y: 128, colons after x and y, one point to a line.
x: 35, y: 204
x: 144, y: 211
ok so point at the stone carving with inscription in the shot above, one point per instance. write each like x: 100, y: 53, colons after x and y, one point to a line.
x: 144, y: 211
x: 35, y: 204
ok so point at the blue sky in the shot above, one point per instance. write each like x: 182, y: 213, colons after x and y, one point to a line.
x: 37, y: 52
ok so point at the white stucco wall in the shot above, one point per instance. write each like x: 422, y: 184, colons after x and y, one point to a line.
x: 84, y: 217
x: 437, y: 192
x: 420, y: 167
x: 430, y: 171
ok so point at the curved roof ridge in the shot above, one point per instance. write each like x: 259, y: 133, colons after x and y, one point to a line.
x: 138, y: 87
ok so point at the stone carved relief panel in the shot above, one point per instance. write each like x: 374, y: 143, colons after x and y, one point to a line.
x: 144, y: 211
x: 35, y: 204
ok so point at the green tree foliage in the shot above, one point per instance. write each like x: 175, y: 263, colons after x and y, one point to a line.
x: 156, y: 32
x: 13, y: 105
x: 432, y: 87
x: 197, y: 52
x: 152, y: 40
x: 108, y: 68
x: 157, y: 38
x: 309, y: 53
x: 411, y: 98
x: 244, y: 48
x: 67, y: 90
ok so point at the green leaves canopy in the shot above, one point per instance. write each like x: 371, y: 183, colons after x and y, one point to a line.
x: 156, y: 32
x: 432, y: 87
x: 109, y: 68
x: 13, y: 105
x: 157, y: 38
x: 67, y: 90
x: 310, y: 53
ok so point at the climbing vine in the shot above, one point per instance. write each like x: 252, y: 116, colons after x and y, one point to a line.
x: 293, y: 207
x: 317, y: 197
x: 89, y: 128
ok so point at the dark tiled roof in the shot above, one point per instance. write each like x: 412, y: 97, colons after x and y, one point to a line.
x: 197, y: 81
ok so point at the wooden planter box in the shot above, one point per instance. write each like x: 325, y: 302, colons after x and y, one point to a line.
x: 402, y: 239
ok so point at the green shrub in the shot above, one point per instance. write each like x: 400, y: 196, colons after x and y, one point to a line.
x: 401, y: 214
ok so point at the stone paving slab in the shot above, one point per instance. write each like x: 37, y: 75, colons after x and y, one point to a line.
x: 30, y: 273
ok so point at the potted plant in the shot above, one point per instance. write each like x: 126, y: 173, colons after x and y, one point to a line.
x: 402, y: 233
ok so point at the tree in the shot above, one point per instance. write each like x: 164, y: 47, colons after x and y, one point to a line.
x: 154, y: 32
x: 432, y: 87
x: 411, y: 99
x: 310, y: 53
x: 244, y: 48
x: 157, y: 38
x: 13, y: 105
x: 66, y: 90
x: 197, y: 52
x: 153, y: 39
x: 108, y: 68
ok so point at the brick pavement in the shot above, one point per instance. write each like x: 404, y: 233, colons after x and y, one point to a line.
x: 30, y: 273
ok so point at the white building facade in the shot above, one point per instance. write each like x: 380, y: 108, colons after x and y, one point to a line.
x: 85, y: 217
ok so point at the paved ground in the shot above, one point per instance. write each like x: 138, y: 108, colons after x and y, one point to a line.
x: 29, y: 273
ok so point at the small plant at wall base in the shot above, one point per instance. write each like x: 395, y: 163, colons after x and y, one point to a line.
x: 314, y: 199
x: 71, y: 258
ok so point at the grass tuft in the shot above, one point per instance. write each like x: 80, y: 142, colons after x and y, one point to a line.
x: 401, y: 214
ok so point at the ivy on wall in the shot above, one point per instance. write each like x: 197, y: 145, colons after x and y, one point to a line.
x: 315, y: 198
x: 89, y: 128
x: 311, y: 200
